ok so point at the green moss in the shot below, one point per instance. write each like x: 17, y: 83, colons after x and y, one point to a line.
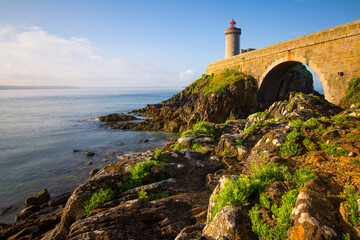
x: 352, y: 95
x: 100, y: 196
x: 264, y: 200
x: 199, y: 148
x: 144, y: 197
x: 201, y: 127
x: 218, y: 82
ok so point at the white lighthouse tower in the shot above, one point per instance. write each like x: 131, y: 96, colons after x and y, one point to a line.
x: 232, y: 42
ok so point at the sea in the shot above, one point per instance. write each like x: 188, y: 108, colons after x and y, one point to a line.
x: 40, y: 128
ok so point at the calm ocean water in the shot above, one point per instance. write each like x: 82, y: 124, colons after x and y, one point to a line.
x: 40, y: 128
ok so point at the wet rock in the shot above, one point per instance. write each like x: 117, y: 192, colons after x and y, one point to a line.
x: 59, y: 200
x: 5, y: 210
x: 144, y: 140
x: 26, y: 212
x: 42, y: 197
x: 94, y: 171
x: 89, y: 154
x: 89, y: 163
x: 116, y: 118
x: 75, y: 150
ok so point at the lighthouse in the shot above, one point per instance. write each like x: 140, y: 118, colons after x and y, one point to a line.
x: 232, y: 42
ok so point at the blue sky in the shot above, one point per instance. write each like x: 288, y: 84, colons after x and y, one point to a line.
x: 144, y: 43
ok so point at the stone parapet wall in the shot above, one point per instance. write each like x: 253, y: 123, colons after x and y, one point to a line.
x: 333, y: 54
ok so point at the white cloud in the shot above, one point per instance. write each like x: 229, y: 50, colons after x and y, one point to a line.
x: 188, y: 76
x: 31, y: 56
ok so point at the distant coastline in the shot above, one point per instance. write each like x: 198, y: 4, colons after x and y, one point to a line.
x: 9, y: 87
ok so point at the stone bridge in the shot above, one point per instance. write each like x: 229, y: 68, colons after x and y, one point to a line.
x: 333, y: 54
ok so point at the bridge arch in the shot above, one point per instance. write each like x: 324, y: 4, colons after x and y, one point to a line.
x: 271, y: 80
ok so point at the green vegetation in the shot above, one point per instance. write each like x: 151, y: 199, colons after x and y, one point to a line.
x: 261, y: 173
x: 352, y: 95
x: 140, y: 172
x: 282, y: 215
x: 351, y: 203
x: 225, y: 153
x: 199, y: 148
x: 201, y: 128
x: 176, y: 147
x: 302, y: 175
x: 100, y: 196
x: 159, y: 156
x: 264, y: 200
x: 218, y: 82
x: 139, y: 175
x: 333, y: 149
x: 144, y: 197
x: 253, y: 128
x: 236, y: 191
x: 291, y: 147
x: 262, y: 115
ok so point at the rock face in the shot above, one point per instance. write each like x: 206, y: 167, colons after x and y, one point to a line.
x: 42, y: 197
x: 179, y: 196
x: 297, y: 80
x: 116, y: 118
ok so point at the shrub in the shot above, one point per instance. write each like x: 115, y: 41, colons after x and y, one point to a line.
x: 140, y: 172
x: 333, y: 149
x: 264, y: 200
x: 302, y: 175
x: 100, y: 196
x: 312, y: 123
x: 201, y: 128
x: 176, y: 147
x: 236, y: 191
x: 143, y: 196
x: 351, y: 203
x: 309, y: 145
x: 159, y: 156
x: 282, y: 214
x: 290, y: 147
x: 198, y: 147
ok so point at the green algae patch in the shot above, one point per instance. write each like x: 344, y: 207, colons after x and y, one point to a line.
x: 208, y: 84
x: 352, y: 95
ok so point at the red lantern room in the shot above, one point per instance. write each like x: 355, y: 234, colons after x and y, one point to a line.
x: 232, y: 24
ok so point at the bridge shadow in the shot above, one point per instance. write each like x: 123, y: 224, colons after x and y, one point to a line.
x: 284, y: 78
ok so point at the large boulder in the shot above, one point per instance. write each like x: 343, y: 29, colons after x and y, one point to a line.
x: 230, y: 223
x: 42, y: 197
x: 315, y: 216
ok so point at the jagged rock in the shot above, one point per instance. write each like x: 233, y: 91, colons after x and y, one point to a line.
x: 191, y: 232
x: 270, y: 142
x: 185, y: 141
x: 229, y: 223
x: 42, y: 197
x: 305, y: 106
x: 212, y: 200
x: 94, y: 171
x: 26, y: 212
x: 5, y: 210
x: 116, y: 118
x: 314, y: 215
x: 59, y: 200
x: 89, y: 154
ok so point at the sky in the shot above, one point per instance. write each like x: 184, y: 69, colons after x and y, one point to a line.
x: 157, y: 43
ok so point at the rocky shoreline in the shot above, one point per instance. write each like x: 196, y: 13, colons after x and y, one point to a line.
x: 290, y: 172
